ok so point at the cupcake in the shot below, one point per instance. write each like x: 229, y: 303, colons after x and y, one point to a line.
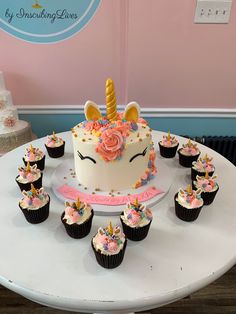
x: 55, y: 146
x: 188, y: 153
x: 109, y: 246
x: 136, y: 220
x: 208, y: 186
x: 34, y: 156
x: 188, y: 204
x: 77, y: 219
x: 35, y: 205
x: 28, y: 175
x: 168, y: 146
x: 201, y: 166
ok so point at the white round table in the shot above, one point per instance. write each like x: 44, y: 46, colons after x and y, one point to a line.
x: 42, y: 263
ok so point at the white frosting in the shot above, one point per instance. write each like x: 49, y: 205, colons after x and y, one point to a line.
x: 33, y: 207
x: 86, y: 215
x: 100, y: 243
x: 141, y: 219
x: 117, y: 175
x: 23, y: 180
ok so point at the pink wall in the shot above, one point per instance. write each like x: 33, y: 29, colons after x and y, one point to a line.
x: 152, y: 49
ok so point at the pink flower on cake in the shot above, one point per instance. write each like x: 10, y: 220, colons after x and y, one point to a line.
x: 111, y: 144
x: 36, y: 202
x: 123, y: 128
x: 112, y: 246
x: 9, y: 122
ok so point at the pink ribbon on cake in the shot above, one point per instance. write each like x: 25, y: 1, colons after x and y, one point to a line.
x: 71, y: 193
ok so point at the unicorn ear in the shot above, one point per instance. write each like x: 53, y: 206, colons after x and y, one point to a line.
x: 91, y: 111
x: 132, y: 112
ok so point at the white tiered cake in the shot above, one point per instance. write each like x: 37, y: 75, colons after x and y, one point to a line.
x: 13, y: 132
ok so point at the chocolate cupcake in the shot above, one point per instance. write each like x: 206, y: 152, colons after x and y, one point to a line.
x: 188, y: 204
x: 188, y: 153
x: 35, y: 205
x: 201, y: 166
x: 28, y: 175
x: 208, y: 186
x: 77, y: 219
x: 55, y: 146
x: 168, y: 146
x: 136, y: 220
x: 109, y: 246
x: 34, y: 156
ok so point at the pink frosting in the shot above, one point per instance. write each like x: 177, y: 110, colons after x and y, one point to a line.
x: 111, y: 144
x: 54, y: 141
x: 73, y: 214
x: 207, y: 184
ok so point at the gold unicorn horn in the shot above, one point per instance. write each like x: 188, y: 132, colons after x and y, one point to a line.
x: 110, y: 229
x: 110, y: 100
x: 28, y: 167
x: 207, y: 175
x: 168, y: 136
x: 31, y: 148
x: 136, y: 202
x: 78, y: 203
x: 189, y: 189
x: 33, y: 190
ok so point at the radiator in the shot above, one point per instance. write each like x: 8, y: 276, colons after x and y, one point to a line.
x: 225, y: 145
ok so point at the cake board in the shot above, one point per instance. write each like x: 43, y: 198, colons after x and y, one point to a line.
x: 64, y: 179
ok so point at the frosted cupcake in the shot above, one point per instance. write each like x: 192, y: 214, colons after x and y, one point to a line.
x: 136, y: 220
x: 109, y: 246
x: 55, y: 146
x: 188, y: 153
x: 168, y: 146
x: 35, y: 205
x: 188, y: 204
x: 77, y: 219
x: 201, y: 166
x: 34, y: 156
x: 209, y: 187
x: 28, y: 175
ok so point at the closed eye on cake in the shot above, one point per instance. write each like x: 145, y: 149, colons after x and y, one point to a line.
x: 140, y: 154
x: 85, y: 157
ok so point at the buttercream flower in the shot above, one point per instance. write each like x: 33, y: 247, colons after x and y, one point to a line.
x: 123, y: 128
x: 111, y: 144
x: 112, y: 246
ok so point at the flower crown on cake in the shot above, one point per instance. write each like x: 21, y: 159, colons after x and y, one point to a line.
x: 112, y: 129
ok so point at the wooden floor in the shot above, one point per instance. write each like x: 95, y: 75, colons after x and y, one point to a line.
x: 217, y: 298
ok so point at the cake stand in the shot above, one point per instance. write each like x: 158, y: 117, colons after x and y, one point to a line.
x: 177, y: 258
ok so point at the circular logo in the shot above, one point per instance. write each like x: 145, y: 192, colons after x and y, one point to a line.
x: 45, y: 21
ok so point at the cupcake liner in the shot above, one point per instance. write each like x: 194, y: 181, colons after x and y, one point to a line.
x: 56, y: 152
x: 168, y: 152
x: 186, y: 161
x: 40, y: 163
x: 195, y: 173
x: 109, y: 261
x: 135, y: 234
x: 186, y: 214
x: 36, y: 216
x: 27, y: 186
x: 78, y: 231
x: 208, y: 197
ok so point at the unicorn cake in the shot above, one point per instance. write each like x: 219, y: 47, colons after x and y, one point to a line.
x: 115, y: 151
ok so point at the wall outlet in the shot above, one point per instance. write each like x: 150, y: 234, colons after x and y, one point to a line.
x: 213, y: 11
